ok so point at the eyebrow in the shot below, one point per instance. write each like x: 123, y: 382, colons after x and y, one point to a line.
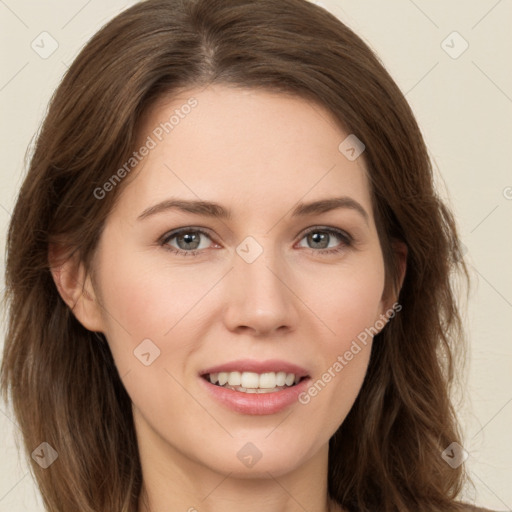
x: 215, y: 210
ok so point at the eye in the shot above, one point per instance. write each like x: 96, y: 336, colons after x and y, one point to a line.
x: 188, y: 241
x: 320, y: 238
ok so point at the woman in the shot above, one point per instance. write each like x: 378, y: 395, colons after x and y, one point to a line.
x: 228, y: 274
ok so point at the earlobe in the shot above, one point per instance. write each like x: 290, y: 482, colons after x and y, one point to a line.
x: 75, y: 288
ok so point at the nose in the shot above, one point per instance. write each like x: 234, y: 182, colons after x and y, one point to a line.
x: 260, y: 298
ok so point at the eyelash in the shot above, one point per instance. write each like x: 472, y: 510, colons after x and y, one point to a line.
x: 345, y: 238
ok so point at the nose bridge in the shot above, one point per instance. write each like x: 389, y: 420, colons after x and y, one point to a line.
x: 258, y: 296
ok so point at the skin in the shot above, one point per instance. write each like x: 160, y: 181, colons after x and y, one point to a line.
x: 257, y: 154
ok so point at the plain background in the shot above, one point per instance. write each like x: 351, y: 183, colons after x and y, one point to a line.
x: 463, y: 103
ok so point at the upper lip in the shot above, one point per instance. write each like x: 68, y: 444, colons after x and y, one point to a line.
x: 252, y: 365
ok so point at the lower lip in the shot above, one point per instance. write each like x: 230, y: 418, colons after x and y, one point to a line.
x: 256, y: 403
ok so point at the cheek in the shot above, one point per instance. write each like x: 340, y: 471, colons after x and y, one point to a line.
x: 347, y: 299
x: 145, y: 311
x: 350, y: 308
x: 147, y: 301
x: 152, y: 325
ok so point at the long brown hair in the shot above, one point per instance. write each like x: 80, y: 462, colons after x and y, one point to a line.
x: 386, y: 455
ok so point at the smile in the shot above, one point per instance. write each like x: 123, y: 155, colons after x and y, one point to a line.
x: 255, y: 387
x: 251, y: 382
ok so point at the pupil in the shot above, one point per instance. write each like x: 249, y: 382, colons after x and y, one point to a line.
x: 318, y: 238
x: 189, y: 239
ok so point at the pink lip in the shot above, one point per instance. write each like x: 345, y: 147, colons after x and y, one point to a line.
x: 256, y: 403
x: 250, y: 365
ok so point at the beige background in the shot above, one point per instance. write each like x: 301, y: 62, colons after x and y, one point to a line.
x: 464, y: 106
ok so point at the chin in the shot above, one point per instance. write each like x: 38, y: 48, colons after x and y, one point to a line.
x: 247, y: 459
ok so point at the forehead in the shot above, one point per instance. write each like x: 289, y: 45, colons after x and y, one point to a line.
x: 243, y: 147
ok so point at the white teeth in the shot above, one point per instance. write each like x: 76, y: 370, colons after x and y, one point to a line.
x: 268, y: 380
x: 254, y: 390
x: 235, y: 379
x: 252, y: 382
x: 280, y: 378
x: 290, y: 379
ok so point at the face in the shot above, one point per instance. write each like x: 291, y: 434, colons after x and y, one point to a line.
x: 280, y: 273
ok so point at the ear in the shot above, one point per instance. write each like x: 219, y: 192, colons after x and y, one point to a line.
x: 75, y: 288
x: 390, y: 296
x: 400, y: 250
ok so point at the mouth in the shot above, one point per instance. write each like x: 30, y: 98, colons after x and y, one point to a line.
x: 252, y: 382
x: 255, y: 387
